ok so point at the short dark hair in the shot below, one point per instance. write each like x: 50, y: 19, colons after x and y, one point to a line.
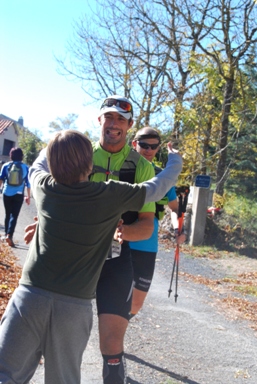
x: 147, y: 133
x: 16, y: 154
x: 69, y: 156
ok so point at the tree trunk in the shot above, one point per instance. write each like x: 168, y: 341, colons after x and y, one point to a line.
x: 221, y: 166
x: 206, y: 143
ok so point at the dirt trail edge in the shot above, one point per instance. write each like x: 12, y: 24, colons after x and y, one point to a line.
x: 193, y: 341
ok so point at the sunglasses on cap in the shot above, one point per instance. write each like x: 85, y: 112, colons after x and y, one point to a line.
x: 127, y: 107
x: 147, y: 146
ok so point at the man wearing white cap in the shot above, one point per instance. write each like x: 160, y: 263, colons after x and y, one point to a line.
x: 114, y: 159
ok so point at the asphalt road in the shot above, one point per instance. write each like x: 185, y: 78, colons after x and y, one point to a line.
x: 191, y: 341
x: 26, y: 217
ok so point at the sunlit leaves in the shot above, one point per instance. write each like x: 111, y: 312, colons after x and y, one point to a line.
x: 62, y: 123
x: 30, y: 144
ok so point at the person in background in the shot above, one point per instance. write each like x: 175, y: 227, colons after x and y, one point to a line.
x: 147, y: 142
x: 50, y: 313
x: 13, y: 192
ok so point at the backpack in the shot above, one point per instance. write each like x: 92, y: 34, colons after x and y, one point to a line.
x: 126, y: 173
x: 14, y: 174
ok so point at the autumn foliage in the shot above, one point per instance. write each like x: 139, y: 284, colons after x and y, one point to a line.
x: 10, y: 274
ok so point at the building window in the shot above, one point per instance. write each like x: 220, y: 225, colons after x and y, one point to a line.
x: 8, y: 145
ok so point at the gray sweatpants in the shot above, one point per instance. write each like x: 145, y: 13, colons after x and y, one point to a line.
x: 38, y: 322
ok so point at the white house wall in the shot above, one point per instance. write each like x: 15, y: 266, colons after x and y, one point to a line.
x: 8, y: 134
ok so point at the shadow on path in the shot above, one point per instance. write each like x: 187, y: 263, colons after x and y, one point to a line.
x: 22, y: 246
x: 136, y: 359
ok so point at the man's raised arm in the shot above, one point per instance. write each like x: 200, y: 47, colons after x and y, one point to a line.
x: 40, y: 164
x: 158, y: 186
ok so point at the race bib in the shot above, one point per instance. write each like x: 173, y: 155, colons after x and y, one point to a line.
x: 114, y: 250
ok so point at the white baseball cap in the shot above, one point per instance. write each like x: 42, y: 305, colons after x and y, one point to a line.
x: 119, y: 104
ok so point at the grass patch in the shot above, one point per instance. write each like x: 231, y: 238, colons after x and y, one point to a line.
x: 247, y: 290
x: 206, y: 251
x: 244, y: 283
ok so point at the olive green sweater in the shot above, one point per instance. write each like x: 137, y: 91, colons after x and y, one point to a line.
x: 75, y: 230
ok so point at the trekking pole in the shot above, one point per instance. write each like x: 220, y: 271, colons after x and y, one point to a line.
x: 182, y: 193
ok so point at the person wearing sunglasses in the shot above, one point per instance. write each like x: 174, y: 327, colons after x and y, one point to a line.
x: 147, y: 142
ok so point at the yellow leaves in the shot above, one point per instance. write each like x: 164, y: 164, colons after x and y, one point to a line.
x: 218, y: 201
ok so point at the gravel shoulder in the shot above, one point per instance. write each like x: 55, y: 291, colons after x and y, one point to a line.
x: 197, y: 340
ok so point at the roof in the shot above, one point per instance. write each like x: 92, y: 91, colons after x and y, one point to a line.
x: 4, y: 124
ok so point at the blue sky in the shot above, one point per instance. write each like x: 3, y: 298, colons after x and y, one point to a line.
x: 31, y: 33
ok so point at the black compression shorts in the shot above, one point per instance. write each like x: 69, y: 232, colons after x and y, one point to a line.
x: 115, y: 287
x: 143, y: 266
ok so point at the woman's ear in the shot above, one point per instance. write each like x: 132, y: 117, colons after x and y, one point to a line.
x: 134, y: 144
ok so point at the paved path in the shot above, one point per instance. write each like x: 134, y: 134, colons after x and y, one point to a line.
x: 189, y: 342
x: 26, y: 217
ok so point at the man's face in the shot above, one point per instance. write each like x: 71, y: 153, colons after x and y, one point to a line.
x: 114, y: 130
x: 147, y: 153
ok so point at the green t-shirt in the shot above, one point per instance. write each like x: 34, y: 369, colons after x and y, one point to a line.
x: 75, y: 228
x: 114, y: 162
